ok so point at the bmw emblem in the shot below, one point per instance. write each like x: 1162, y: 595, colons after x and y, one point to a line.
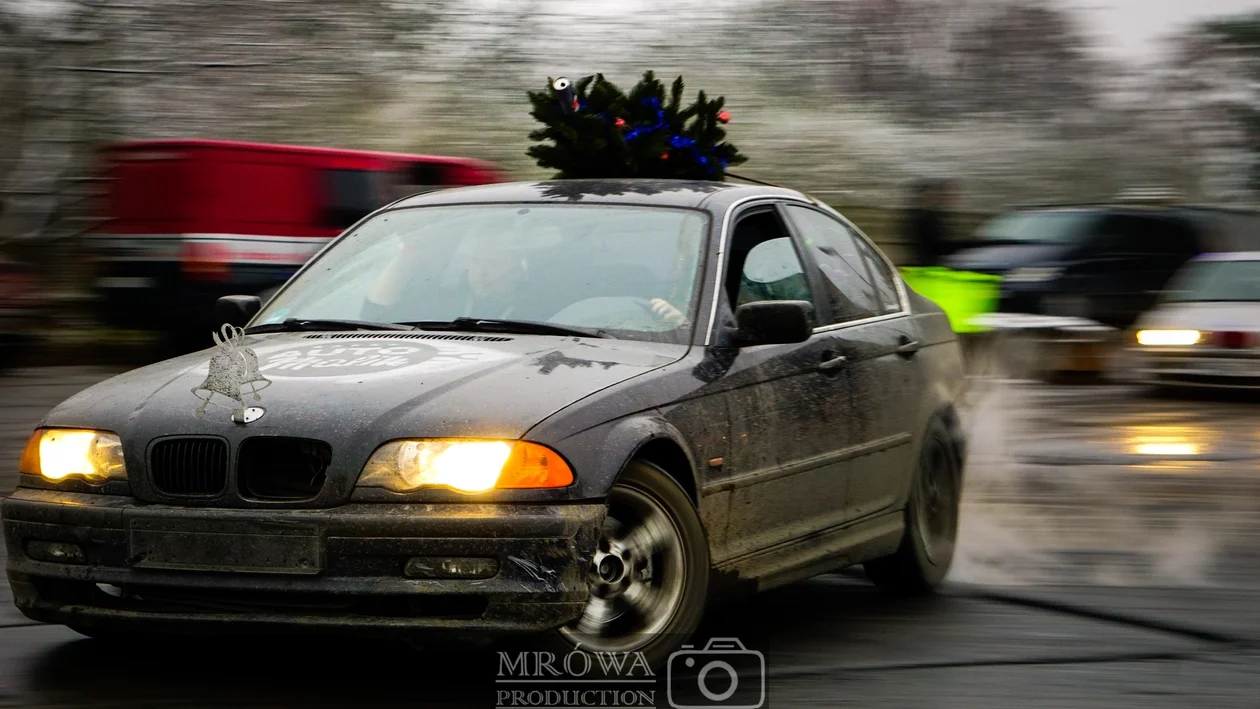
x: 248, y: 415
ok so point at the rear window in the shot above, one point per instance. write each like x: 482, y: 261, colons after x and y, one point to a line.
x: 350, y: 195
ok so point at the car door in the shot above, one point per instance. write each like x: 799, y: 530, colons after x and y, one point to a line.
x: 871, y: 392
x: 779, y: 479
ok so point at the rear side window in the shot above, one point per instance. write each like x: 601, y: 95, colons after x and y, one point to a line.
x: 1174, y: 237
x: 350, y: 195
x: 851, y: 290
x: 1118, y: 235
x: 416, y: 178
x: 881, y: 275
x: 425, y: 176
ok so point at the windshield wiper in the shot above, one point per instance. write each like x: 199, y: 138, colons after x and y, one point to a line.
x: 304, y: 325
x: 525, y: 327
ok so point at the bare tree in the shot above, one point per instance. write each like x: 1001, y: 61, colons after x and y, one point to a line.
x: 1026, y: 58
x: 88, y: 71
x: 1209, y: 95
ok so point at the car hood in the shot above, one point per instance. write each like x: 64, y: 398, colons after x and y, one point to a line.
x: 362, y: 387
x: 1230, y: 316
x: 1001, y: 258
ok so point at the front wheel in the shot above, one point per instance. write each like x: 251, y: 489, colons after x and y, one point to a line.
x: 927, y: 547
x: 649, y: 577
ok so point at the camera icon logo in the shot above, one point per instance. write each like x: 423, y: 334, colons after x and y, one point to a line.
x: 724, y: 674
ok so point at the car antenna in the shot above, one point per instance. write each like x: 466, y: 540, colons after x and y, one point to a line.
x: 749, y: 179
x: 770, y: 184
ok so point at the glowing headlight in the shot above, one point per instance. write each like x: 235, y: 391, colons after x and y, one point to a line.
x: 1034, y: 274
x: 1168, y: 337
x: 1166, y: 449
x: 61, y: 453
x: 466, y: 465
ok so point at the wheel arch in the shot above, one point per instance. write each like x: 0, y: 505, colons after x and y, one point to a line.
x: 670, y: 456
x: 947, y: 414
x: 601, y: 455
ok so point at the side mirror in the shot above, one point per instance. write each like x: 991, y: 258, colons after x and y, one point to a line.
x: 774, y: 322
x: 237, y: 310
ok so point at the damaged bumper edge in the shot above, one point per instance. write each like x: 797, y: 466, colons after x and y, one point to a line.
x: 101, y: 561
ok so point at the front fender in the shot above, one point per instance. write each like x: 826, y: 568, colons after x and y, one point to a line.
x: 599, y: 454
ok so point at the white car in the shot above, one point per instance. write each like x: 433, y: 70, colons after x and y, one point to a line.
x: 1205, y: 330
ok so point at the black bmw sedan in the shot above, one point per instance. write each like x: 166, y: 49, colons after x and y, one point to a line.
x: 581, y: 409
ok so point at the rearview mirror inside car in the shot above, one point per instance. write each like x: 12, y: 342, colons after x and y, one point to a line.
x: 237, y: 310
x: 773, y: 322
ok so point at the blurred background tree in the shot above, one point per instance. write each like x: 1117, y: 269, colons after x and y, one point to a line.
x: 1213, y: 84
x: 850, y: 99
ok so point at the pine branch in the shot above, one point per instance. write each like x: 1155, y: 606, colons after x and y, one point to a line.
x: 643, y: 133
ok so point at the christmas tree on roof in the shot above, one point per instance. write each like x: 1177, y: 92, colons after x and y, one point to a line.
x: 593, y: 130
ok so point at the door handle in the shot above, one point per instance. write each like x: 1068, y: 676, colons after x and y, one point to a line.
x: 832, y: 362
x: 907, y: 347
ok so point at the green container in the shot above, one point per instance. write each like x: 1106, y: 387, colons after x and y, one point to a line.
x: 961, y: 294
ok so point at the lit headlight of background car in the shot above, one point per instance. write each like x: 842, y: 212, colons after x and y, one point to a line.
x: 466, y: 465
x: 66, y: 453
x: 1168, y: 338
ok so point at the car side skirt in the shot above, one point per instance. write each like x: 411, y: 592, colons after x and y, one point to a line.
x: 808, y: 556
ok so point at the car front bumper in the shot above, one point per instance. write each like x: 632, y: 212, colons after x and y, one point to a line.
x: 1216, y: 369
x: 364, y: 568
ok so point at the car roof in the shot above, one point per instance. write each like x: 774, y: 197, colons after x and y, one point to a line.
x: 714, y: 197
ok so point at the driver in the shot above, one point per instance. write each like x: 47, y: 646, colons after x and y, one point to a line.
x: 492, y: 285
x: 494, y: 281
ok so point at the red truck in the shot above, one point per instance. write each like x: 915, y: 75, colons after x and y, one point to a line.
x: 188, y: 221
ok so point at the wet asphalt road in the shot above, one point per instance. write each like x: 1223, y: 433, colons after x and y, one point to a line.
x: 1108, y: 557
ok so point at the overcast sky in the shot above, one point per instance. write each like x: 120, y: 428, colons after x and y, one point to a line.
x: 1132, y: 28
x: 1127, y: 29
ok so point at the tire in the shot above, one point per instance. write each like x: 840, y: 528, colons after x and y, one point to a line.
x: 927, y: 546
x: 650, y: 575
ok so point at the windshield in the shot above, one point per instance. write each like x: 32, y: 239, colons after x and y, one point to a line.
x: 1056, y: 227
x: 629, y: 271
x: 1216, y: 281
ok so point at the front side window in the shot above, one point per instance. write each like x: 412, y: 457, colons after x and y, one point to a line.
x: 415, y: 178
x: 850, y: 287
x: 772, y: 271
x: 630, y: 271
